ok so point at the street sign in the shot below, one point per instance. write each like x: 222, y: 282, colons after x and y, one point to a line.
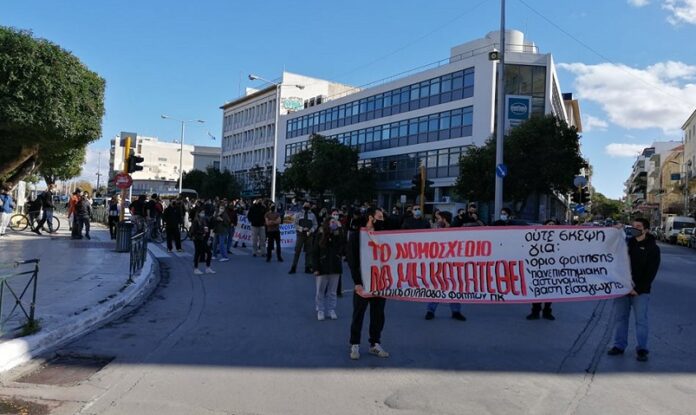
x: 403, y: 198
x: 580, y: 181
x: 123, y: 180
x: 501, y: 170
x: 580, y: 208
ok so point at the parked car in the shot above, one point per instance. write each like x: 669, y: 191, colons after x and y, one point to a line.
x: 684, y: 236
x: 674, y: 224
x: 692, y: 241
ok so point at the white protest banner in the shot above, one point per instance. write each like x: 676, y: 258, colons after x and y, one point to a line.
x: 242, y: 232
x: 520, y: 264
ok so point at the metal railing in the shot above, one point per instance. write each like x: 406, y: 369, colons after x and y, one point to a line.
x: 16, y: 296
x: 100, y: 214
x: 138, y: 253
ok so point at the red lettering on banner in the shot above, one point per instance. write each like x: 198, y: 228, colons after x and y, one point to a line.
x: 423, y: 277
x: 502, y: 277
x: 523, y: 283
x: 375, y: 250
x: 380, y: 278
x: 407, y: 276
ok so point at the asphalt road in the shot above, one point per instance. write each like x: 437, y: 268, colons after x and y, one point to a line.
x: 246, y: 341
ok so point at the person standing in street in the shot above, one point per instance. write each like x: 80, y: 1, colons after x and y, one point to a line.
x: 221, y: 227
x: 257, y: 219
x: 173, y: 221
x: 644, y: 255
x: 200, y: 233
x: 416, y: 221
x: 232, y: 214
x: 83, y: 211
x: 374, y: 222
x: 6, y: 208
x: 305, y: 226
x: 114, y: 208
x: 327, y: 254
x: 72, y: 216
x: 34, y: 210
x: 48, y: 205
x: 547, y: 313
x: 273, y: 220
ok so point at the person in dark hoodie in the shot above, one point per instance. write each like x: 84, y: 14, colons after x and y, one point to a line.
x: 644, y: 255
x: 373, y: 222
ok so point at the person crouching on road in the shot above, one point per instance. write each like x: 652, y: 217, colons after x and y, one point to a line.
x: 536, y: 307
x: 201, y: 234
x: 374, y: 222
x: 327, y: 254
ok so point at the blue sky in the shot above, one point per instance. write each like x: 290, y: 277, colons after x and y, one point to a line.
x: 632, y: 63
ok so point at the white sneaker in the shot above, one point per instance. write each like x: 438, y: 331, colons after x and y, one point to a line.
x: 224, y: 259
x: 320, y: 316
x: 332, y: 315
x: 355, y: 351
x: 378, y: 351
x: 209, y: 271
x: 197, y: 271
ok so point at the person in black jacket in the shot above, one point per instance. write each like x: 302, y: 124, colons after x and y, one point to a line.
x: 373, y: 222
x: 48, y: 205
x: 327, y: 254
x: 200, y: 234
x: 644, y: 255
x: 257, y: 219
x: 173, y: 217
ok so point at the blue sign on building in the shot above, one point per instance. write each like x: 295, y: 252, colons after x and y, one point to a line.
x: 518, y: 108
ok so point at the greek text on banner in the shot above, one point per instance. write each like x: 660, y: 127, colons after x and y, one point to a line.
x: 496, y: 264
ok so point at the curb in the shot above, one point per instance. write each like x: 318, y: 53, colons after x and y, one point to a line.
x: 21, y: 350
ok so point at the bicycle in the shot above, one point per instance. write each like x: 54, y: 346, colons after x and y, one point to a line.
x: 152, y: 232
x: 183, y: 232
x: 21, y: 221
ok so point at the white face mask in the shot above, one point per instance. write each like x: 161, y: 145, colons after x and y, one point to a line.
x: 503, y: 216
x: 334, y: 217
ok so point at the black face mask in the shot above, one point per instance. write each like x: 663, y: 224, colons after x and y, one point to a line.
x: 306, y: 208
x: 378, y: 225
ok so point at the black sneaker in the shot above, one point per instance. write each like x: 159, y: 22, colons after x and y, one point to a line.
x: 429, y: 315
x: 292, y: 270
x: 307, y: 270
x: 548, y: 316
x: 268, y: 259
x: 615, y: 351
x: 36, y: 231
x: 458, y: 316
x: 533, y: 316
x: 280, y: 259
x: 642, y: 355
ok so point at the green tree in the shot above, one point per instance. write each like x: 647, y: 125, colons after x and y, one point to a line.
x: 212, y: 183
x: 605, y: 207
x: 51, y: 107
x: 329, y: 166
x: 542, y: 155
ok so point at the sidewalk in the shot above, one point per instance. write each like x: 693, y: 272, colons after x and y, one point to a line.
x: 81, y: 284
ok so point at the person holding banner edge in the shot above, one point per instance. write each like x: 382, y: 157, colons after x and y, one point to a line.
x: 536, y: 307
x: 644, y: 255
x: 374, y: 222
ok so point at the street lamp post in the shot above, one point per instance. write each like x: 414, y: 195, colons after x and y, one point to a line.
x: 278, y: 86
x: 181, y: 151
x: 500, y: 129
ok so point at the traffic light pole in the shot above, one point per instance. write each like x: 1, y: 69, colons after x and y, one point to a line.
x: 126, y: 154
x: 422, y: 188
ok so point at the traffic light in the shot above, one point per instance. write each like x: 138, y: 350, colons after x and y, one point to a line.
x: 581, y: 195
x: 133, y: 162
x: 417, y: 181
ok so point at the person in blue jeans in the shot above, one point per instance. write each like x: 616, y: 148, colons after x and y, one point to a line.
x: 644, y: 255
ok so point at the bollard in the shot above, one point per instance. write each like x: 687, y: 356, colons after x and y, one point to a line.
x: 124, y: 231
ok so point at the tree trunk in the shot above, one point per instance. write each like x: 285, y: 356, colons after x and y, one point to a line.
x: 21, y: 172
x: 25, y: 154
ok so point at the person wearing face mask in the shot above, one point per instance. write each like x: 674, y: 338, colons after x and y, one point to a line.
x: 471, y: 217
x: 327, y: 253
x: 537, y: 307
x: 416, y: 221
x: 374, y: 222
x: 200, y: 233
x: 505, y: 216
x: 221, y: 226
x: 273, y: 232
x: 644, y: 255
x: 305, y: 226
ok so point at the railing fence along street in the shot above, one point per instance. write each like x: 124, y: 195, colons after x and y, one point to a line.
x: 13, y: 290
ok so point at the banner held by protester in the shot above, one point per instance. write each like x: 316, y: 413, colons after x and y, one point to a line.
x: 496, y: 264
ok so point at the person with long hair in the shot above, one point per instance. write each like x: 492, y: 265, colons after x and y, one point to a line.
x: 327, y: 255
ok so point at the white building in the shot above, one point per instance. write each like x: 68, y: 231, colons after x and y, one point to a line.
x: 430, y: 118
x: 689, y: 129
x: 249, y: 121
x: 160, y: 172
x: 205, y: 157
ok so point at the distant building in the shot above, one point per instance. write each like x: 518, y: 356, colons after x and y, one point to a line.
x: 205, y: 157
x: 249, y: 122
x: 689, y: 161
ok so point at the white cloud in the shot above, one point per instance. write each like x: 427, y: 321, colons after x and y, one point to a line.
x: 682, y: 11
x: 593, y: 123
x: 624, y: 149
x: 638, y: 3
x: 659, y: 96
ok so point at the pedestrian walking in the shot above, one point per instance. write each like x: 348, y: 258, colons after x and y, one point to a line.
x: 114, y: 209
x: 232, y: 214
x: 7, y: 206
x: 305, y: 226
x: 72, y: 216
x: 373, y: 222
x: 34, y: 211
x: 644, y: 255
x: 47, y: 205
x: 173, y: 217
x: 273, y: 220
x: 547, y: 313
x: 83, y: 212
x: 327, y: 254
x: 200, y: 233
x: 257, y: 219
